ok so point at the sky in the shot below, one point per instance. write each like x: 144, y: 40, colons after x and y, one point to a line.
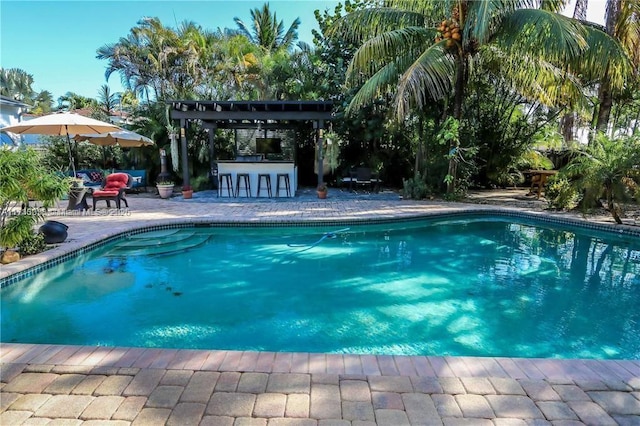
x: 56, y: 41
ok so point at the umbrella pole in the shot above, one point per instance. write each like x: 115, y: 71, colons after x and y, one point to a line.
x: 71, y: 162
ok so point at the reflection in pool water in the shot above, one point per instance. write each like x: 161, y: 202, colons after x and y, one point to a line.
x: 464, y: 287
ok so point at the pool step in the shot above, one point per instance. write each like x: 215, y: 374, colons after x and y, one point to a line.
x: 155, y: 234
x: 160, y: 247
x: 153, y: 240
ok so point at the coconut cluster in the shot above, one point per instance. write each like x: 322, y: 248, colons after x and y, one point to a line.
x: 449, y: 30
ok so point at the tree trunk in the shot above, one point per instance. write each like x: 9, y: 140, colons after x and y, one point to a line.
x: 605, y: 97
x: 419, y: 152
x: 566, y: 126
x: 457, y: 114
x: 605, y: 103
x: 612, y: 206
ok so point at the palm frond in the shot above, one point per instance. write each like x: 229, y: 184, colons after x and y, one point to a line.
x: 627, y: 29
x: 429, y: 77
x: 604, y: 55
x: 412, y: 81
x: 362, y: 25
x: 384, y: 48
x: 482, y: 19
x: 549, y: 34
x: 535, y: 78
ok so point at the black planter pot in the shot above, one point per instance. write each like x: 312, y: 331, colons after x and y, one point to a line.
x: 54, y: 232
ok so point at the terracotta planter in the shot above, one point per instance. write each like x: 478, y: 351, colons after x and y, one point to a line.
x: 322, y: 194
x: 187, y: 194
x: 165, y: 191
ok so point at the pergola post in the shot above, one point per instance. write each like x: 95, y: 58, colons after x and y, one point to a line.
x: 185, y: 159
x: 213, y: 167
x: 319, y: 130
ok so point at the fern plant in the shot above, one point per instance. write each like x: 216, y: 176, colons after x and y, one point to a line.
x: 609, y: 169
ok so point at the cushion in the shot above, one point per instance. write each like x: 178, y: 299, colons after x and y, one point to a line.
x: 96, y: 176
x: 115, y: 181
x: 105, y: 193
x: 85, y: 177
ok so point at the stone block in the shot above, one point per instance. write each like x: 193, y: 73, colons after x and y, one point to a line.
x: 164, y: 396
x: 357, y: 410
x: 113, y: 385
x: 152, y: 417
x: 392, y: 417
x: 64, y: 406
x: 617, y: 402
x: 29, y: 383
x: 478, y: 385
x: 355, y: 390
x: 186, y: 414
x: 297, y: 405
x: 507, y: 386
x: 289, y: 383
x: 231, y: 404
x: 253, y: 382
x: 387, y: 400
x: 474, y: 406
x: 270, y: 405
x: 102, y: 407
x: 397, y: 384
x: 591, y: 413
x: 200, y: 387
x: 555, y: 410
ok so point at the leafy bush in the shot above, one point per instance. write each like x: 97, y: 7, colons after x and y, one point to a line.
x: 24, y: 178
x: 33, y: 244
x: 561, y: 193
x: 201, y: 183
x: 415, y: 188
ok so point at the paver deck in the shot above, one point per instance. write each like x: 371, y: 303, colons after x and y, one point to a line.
x: 55, y: 384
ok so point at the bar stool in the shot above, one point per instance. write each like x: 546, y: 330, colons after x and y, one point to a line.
x: 287, y: 184
x: 227, y: 180
x: 267, y: 180
x: 246, y: 180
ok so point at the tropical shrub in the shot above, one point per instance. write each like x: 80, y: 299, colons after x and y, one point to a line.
x: 24, y: 178
x: 33, y: 244
x: 561, y: 194
x: 415, y: 188
x: 610, y: 169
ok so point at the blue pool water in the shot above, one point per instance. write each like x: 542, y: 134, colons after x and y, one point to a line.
x: 458, y: 287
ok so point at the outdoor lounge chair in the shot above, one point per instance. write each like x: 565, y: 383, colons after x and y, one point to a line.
x: 114, y: 189
x: 364, y: 177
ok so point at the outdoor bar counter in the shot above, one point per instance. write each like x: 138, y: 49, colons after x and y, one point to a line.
x: 253, y: 169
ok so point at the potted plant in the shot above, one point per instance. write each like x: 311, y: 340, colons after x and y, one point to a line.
x: 165, y: 188
x: 322, y: 190
x: 187, y: 192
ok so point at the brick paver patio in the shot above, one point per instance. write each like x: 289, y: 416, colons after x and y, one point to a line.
x: 73, y: 385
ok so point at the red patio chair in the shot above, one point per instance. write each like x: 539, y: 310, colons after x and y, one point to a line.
x: 114, y: 189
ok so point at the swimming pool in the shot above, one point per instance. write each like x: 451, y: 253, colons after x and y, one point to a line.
x: 468, y: 286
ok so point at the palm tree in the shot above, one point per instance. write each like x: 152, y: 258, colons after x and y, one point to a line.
x: 267, y: 32
x: 43, y: 102
x: 70, y: 101
x: 623, y: 24
x: 419, y: 50
x: 107, y: 101
x: 16, y: 84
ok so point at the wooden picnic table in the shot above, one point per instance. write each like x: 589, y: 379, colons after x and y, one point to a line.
x: 539, y: 179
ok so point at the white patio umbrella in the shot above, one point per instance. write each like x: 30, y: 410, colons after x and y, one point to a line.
x: 124, y: 138
x: 62, y: 124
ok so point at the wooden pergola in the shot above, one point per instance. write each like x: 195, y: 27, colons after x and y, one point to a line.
x: 248, y: 115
